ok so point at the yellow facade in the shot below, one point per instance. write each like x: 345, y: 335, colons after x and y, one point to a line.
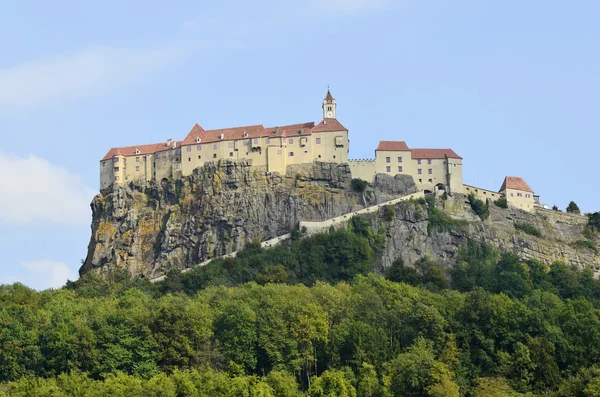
x: 273, y: 148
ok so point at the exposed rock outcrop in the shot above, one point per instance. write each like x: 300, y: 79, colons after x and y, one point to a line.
x: 408, y: 237
x: 151, y: 228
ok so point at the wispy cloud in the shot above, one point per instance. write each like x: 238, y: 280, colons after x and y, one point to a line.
x: 88, y: 72
x: 33, y: 190
x: 48, y: 274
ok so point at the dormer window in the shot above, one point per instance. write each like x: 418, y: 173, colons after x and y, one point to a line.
x: 221, y: 136
x: 137, y: 151
x: 198, y: 140
x: 245, y: 134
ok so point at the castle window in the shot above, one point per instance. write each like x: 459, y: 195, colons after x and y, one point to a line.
x: 388, y: 169
x: 230, y: 144
x: 137, y: 168
x: 291, y: 140
x: 164, y: 154
x: 430, y: 171
x: 116, y: 160
x: 215, y: 147
x: 519, y: 194
x: 420, y: 180
x: 189, y: 159
x: 279, y: 152
x: 419, y: 161
x: 268, y: 141
x: 230, y: 154
x: 256, y: 141
x: 245, y: 143
x: 512, y: 195
x: 388, y: 159
x: 399, y: 159
x: 214, y: 156
x: 318, y: 141
x: 137, y: 159
x: 116, y: 169
x: 199, y: 157
x: 291, y: 154
x: 177, y: 151
x: 103, y: 164
x: 319, y: 156
x: 144, y: 158
x: 399, y: 168
x: 189, y: 148
x: 116, y: 178
x: 428, y: 161
x: 430, y: 181
x: 419, y: 171
x: 198, y: 147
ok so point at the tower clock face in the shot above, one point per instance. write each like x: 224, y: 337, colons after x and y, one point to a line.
x: 329, y: 114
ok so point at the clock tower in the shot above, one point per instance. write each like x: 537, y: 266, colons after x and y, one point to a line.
x: 329, y: 106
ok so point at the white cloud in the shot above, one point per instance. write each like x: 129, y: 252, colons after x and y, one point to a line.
x: 48, y: 274
x: 83, y: 73
x: 33, y: 190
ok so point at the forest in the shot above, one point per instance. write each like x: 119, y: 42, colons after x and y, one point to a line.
x: 314, y: 318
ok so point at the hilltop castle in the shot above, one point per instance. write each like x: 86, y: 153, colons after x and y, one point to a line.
x: 274, y: 148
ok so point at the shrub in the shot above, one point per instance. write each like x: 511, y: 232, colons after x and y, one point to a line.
x: 529, y: 229
x: 359, y: 185
x: 479, y: 207
x: 573, y: 208
x: 555, y: 208
x: 585, y: 244
x: 440, y: 222
x: 501, y: 202
x: 594, y: 220
x: 389, y: 213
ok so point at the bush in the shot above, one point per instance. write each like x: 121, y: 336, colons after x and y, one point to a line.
x: 501, y: 202
x: 555, y: 208
x: 359, y: 185
x: 573, y: 208
x: 440, y: 222
x: 479, y: 207
x: 594, y: 220
x: 389, y: 213
x: 529, y: 229
x: 585, y: 244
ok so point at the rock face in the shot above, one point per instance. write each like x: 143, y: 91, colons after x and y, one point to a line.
x: 151, y: 228
x: 407, y: 235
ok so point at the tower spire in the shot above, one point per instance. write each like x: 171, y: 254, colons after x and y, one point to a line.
x: 329, y: 105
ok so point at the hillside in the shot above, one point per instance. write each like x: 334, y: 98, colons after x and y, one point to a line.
x: 152, y: 228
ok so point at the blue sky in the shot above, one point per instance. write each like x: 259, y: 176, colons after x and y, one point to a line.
x: 512, y: 86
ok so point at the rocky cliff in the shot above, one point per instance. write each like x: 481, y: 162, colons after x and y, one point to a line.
x: 152, y: 227
x: 149, y: 228
x: 564, y: 237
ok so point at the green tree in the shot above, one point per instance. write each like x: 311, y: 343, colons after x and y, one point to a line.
x: 573, y: 208
x: 331, y: 383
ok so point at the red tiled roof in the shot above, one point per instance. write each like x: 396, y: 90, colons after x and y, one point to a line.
x: 292, y: 130
x: 144, y: 150
x: 434, y: 154
x: 515, y: 182
x: 329, y: 98
x: 329, y: 125
x: 392, y: 146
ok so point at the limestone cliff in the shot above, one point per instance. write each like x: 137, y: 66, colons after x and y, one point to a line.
x: 151, y: 228
x: 561, y: 238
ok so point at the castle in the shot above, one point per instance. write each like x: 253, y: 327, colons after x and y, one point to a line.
x: 274, y: 148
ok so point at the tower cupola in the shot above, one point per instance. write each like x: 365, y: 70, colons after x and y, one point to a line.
x: 329, y: 106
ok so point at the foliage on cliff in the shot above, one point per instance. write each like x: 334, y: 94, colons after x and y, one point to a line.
x: 490, y: 325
